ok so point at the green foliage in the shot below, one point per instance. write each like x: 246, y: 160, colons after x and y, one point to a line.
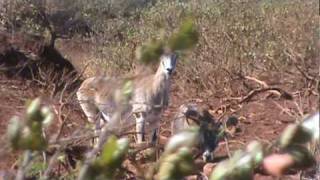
x: 36, y: 168
x: 14, y: 131
x: 301, y: 155
x: 127, y: 89
x: 150, y: 52
x: 113, y: 153
x: 186, y: 138
x: 176, y: 161
x: 177, y: 165
x: 312, y: 124
x: 28, y: 135
x: 106, y: 166
x: 186, y: 37
x: 242, y: 163
x: 238, y: 167
x: 294, y: 134
x: 122, y: 96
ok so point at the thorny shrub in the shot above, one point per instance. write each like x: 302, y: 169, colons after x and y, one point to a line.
x: 236, y: 37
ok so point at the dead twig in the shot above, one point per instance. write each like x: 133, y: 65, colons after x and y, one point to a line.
x: 52, y: 162
x: 58, y: 111
x: 262, y: 83
x: 254, y: 92
x: 250, y: 95
x: 294, y: 57
x: 285, y: 110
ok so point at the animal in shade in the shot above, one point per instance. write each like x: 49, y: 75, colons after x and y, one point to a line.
x: 150, y: 96
x: 209, y: 130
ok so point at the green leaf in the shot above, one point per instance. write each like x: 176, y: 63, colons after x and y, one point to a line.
x: 186, y: 37
x: 187, y: 138
x: 111, y: 158
x: 294, y: 134
x: 14, y: 131
x: 127, y: 89
x: 150, y: 52
x: 48, y: 116
x: 108, y: 151
x: 255, y: 148
x: 302, y: 156
x: 33, y: 111
x: 176, y: 165
x: 311, y: 124
x: 27, y: 135
x: 239, y: 166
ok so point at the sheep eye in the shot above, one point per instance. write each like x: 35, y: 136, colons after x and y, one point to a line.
x: 137, y: 115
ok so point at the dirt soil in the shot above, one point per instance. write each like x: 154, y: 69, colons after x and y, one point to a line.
x: 263, y: 118
x: 15, y: 93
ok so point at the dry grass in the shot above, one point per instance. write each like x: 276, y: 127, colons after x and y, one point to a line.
x: 236, y: 38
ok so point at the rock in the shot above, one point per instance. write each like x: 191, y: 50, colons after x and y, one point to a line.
x: 208, y: 168
x: 277, y: 164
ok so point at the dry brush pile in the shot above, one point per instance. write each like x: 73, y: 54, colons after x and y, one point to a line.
x: 106, y: 161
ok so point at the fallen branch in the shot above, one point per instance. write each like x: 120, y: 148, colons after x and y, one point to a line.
x: 254, y: 92
x: 262, y: 83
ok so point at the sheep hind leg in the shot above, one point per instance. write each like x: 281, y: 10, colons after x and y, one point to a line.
x: 140, y: 127
x: 155, y: 142
x: 91, y: 112
x: 154, y: 138
x: 101, y: 125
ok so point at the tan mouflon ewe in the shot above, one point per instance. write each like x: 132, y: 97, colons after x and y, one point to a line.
x: 150, y: 96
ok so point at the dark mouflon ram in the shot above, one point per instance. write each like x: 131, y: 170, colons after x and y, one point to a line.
x: 209, y: 130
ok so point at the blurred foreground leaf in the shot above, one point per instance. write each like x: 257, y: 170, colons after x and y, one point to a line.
x: 186, y: 37
x: 291, y: 143
x: 187, y: 138
x: 28, y: 134
x: 106, y: 166
x: 312, y: 124
x: 240, y: 165
x: 294, y: 134
x: 177, y: 165
x: 150, y: 52
x: 302, y: 157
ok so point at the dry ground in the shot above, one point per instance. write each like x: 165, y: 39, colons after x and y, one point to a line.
x: 262, y: 118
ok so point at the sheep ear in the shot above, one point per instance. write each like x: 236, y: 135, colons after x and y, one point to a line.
x: 232, y: 121
x: 192, y: 121
x: 175, y: 56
